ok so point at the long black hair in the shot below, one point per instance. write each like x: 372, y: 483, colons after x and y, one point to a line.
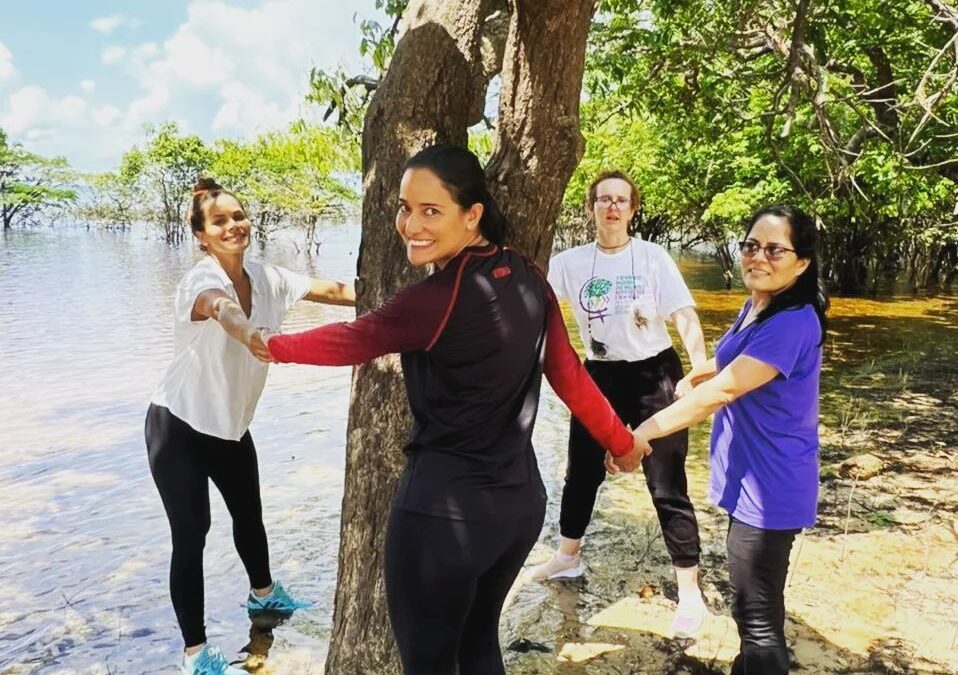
x: 462, y: 175
x: 808, y: 288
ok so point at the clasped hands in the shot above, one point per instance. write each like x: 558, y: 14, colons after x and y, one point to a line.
x: 640, y: 444
x: 631, y: 460
x: 256, y: 343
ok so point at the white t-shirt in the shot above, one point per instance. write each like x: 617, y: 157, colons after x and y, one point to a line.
x: 610, y: 294
x: 214, y: 383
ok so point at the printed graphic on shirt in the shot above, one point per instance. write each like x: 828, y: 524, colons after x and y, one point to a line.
x: 601, y: 298
x: 594, y: 297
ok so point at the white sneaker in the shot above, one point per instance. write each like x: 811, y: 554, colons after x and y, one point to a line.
x: 559, y: 566
x: 689, y: 617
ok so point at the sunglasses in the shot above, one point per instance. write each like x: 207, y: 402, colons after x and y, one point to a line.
x: 750, y: 249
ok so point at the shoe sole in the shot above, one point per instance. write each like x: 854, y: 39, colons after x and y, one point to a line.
x: 572, y: 573
x: 685, y: 634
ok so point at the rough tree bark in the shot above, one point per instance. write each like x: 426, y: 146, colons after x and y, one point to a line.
x: 433, y: 92
x: 538, y: 143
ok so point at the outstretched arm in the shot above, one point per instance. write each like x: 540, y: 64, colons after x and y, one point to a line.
x: 578, y: 391
x: 410, y: 320
x: 689, y: 327
x: 331, y: 293
x: 741, y: 376
x: 217, y: 305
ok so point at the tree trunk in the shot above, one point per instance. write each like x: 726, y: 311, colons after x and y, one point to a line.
x: 538, y: 143
x: 429, y: 95
x: 434, y: 90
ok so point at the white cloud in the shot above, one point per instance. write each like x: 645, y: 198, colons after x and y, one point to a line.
x: 6, y: 63
x: 245, y: 111
x: 108, y: 24
x: 112, y: 54
x: 67, y: 125
x: 225, y: 70
x: 106, y: 115
x: 246, y: 86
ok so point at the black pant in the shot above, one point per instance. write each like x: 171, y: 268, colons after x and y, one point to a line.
x: 636, y: 390
x: 758, y: 565
x: 446, y: 581
x: 183, y: 461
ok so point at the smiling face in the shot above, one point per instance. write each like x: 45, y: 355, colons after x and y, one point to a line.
x: 226, y: 229
x: 612, y: 208
x: 434, y: 227
x: 768, y: 277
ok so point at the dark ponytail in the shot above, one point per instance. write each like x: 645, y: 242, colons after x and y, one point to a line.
x: 808, y: 288
x: 462, y: 175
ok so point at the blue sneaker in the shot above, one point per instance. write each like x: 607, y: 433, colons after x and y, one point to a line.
x: 209, y: 661
x: 278, y: 601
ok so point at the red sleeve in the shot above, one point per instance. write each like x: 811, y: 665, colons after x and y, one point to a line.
x: 410, y: 320
x: 572, y: 382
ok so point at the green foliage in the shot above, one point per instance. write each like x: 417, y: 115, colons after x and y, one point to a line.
x: 30, y: 185
x: 711, y: 110
x: 293, y: 177
x: 112, y: 200
x: 343, y: 95
x: 163, y: 172
x: 284, y: 177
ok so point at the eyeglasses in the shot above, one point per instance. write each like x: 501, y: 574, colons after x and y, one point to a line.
x: 621, y: 203
x: 772, y: 251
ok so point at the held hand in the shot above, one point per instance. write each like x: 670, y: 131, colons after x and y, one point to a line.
x: 628, y: 462
x: 641, y: 446
x: 257, y: 345
x: 610, y: 466
x: 684, y: 387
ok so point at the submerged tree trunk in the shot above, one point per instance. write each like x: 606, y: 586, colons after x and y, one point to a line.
x: 433, y: 92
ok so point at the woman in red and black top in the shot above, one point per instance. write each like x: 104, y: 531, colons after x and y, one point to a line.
x: 475, y: 338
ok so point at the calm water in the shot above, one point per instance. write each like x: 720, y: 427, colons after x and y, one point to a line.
x: 85, y: 324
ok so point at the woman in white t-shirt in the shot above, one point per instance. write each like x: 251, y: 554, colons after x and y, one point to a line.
x: 622, y: 290
x: 197, y: 425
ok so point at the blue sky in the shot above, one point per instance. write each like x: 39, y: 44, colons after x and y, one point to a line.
x: 80, y: 78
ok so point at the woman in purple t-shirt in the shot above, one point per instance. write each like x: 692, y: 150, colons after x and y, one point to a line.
x: 762, y: 386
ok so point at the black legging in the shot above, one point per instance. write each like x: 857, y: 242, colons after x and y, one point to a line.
x: 637, y: 390
x: 758, y: 566
x: 183, y: 461
x: 446, y: 581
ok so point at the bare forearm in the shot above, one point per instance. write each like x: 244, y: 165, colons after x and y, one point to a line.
x: 233, y: 320
x: 684, y: 412
x: 690, y: 330
x: 332, y: 293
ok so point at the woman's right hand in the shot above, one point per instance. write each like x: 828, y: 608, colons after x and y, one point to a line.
x: 257, y: 345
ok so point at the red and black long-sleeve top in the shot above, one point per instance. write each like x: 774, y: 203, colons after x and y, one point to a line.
x: 475, y: 339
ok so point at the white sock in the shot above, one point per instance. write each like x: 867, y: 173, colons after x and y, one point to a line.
x: 566, y: 557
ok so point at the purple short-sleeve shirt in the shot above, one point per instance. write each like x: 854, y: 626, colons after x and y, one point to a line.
x: 764, y: 449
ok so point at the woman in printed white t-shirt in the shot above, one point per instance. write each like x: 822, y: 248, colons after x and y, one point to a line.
x: 622, y: 290
x: 197, y: 425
